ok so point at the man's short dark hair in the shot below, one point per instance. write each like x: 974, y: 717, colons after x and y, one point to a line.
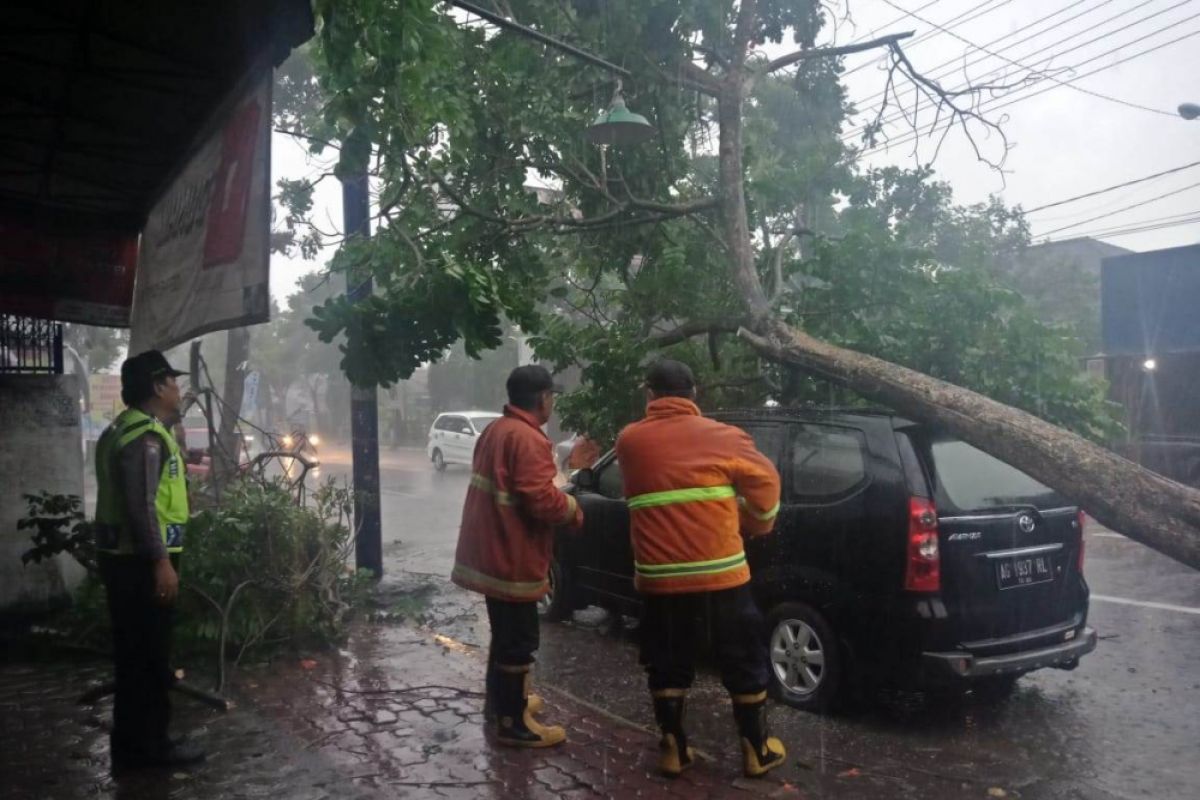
x: 139, y: 389
x: 141, y: 373
x: 526, y: 385
x: 669, y: 378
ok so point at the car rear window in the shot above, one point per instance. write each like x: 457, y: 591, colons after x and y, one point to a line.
x: 969, y: 479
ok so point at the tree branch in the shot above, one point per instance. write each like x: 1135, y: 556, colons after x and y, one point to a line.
x: 830, y: 52
x: 689, y: 330
x: 657, y: 211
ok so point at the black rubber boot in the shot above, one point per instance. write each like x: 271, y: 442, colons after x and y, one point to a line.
x: 761, y: 752
x: 515, y: 726
x: 533, y: 702
x: 669, y: 709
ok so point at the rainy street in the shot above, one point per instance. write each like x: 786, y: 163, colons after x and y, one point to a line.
x: 1125, y: 724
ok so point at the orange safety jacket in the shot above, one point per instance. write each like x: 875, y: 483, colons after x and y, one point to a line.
x: 694, y: 486
x: 512, y: 507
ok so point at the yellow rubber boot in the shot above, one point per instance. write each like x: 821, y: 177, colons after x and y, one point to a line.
x: 674, y: 754
x: 761, y: 752
x: 515, y: 726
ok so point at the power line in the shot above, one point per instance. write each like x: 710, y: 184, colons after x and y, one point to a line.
x: 1113, y: 188
x: 926, y: 36
x: 1147, y: 226
x: 1047, y: 59
x: 1123, y: 209
x: 992, y: 105
x: 1029, y: 69
x: 939, y: 71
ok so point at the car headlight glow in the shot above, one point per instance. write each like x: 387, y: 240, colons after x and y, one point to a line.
x: 314, y: 440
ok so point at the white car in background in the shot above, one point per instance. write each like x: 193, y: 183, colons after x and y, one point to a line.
x: 453, y: 436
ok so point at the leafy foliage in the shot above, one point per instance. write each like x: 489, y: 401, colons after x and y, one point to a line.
x: 259, y: 572
x: 617, y: 247
x: 269, y: 570
x: 59, y: 526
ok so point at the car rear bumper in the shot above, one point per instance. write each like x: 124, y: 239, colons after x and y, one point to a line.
x: 962, y: 664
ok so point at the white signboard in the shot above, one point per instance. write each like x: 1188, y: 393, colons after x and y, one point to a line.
x: 205, y: 250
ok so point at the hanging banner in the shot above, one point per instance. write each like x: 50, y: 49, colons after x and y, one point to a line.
x: 68, y: 276
x: 205, y: 255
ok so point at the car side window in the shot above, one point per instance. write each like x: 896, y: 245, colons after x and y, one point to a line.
x: 465, y: 427
x: 609, y: 481
x: 439, y: 424
x: 769, y: 440
x: 828, y: 463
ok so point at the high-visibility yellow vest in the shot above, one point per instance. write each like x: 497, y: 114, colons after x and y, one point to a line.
x: 113, y: 532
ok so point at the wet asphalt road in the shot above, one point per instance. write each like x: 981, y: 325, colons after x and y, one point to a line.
x: 1126, y: 724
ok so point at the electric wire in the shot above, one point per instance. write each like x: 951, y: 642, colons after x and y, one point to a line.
x: 1048, y: 77
x: 995, y: 104
x: 938, y: 72
x: 922, y: 38
x: 1147, y: 226
x: 1123, y: 209
x: 1113, y: 188
x: 927, y: 102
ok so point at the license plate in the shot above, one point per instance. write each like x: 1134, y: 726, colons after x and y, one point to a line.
x: 1024, y: 571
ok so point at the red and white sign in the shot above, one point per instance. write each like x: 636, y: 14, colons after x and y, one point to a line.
x: 204, y: 263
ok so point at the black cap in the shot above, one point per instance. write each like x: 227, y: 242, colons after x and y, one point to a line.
x: 667, y: 376
x: 529, y: 381
x: 146, y: 367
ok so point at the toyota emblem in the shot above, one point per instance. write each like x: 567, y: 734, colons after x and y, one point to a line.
x: 1025, y: 523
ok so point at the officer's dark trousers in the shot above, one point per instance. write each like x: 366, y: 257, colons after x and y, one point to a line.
x: 673, y: 627
x: 514, y: 632
x: 141, y: 652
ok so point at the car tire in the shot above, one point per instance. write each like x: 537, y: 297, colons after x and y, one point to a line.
x: 439, y: 461
x: 555, y: 606
x: 806, y: 659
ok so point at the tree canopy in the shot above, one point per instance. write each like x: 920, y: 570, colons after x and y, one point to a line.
x: 743, y: 215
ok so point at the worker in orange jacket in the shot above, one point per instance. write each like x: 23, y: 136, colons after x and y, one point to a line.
x: 505, y: 544
x: 695, y: 487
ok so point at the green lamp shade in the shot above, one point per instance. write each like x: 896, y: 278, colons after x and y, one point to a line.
x: 618, y: 125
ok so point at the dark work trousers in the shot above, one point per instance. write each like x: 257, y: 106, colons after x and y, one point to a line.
x: 514, y: 632
x: 673, y: 627
x: 515, y: 636
x: 142, y: 654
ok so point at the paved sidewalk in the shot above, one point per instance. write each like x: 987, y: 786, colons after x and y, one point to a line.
x: 396, y: 714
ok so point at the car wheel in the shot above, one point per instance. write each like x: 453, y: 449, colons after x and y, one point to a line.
x: 554, y: 605
x: 806, y: 661
x: 439, y: 461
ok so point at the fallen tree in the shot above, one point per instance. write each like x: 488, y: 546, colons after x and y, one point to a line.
x: 463, y: 245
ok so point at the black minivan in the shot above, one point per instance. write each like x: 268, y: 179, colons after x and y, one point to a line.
x: 900, y: 555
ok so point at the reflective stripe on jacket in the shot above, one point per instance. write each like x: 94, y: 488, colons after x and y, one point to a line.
x: 512, y: 508
x: 113, y: 532
x: 694, y: 486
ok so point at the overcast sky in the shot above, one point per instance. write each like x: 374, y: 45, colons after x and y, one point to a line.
x: 1066, y: 140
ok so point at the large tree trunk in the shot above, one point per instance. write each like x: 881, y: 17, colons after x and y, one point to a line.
x: 1129, y: 498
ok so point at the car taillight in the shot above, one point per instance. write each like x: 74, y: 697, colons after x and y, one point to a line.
x: 1079, y: 559
x: 923, y: 567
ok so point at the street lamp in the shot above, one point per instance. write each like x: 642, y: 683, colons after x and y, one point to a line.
x: 1150, y: 364
x: 1189, y: 110
x: 618, y: 125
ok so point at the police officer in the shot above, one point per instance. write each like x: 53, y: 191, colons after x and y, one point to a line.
x: 141, y: 514
x: 694, y: 487
x: 504, y: 548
